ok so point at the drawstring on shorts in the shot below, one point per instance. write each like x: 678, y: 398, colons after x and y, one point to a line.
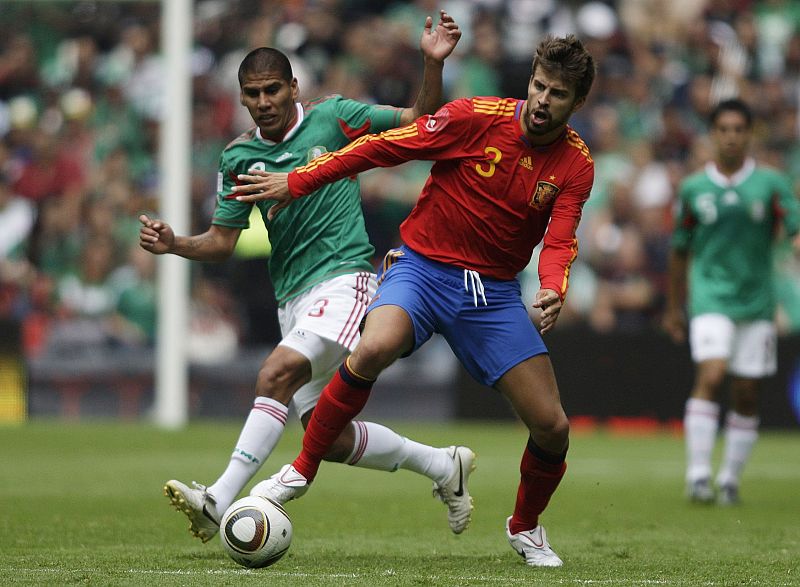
x: 473, y: 279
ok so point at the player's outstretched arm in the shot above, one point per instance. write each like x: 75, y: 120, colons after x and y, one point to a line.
x: 549, y: 302
x: 216, y: 244
x: 263, y: 185
x: 436, y: 45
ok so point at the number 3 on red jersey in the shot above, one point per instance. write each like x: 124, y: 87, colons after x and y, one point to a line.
x: 494, y: 155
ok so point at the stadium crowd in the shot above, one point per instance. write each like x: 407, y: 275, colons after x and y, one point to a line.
x: 81, y: 86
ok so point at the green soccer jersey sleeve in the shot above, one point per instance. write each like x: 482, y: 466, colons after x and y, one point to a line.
x: 728, y: 227
x: 322, y: 236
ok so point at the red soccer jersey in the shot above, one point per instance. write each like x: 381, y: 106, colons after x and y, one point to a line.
x: 491, y: 197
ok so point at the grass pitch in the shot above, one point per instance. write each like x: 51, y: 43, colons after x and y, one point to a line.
x: 82, y: 504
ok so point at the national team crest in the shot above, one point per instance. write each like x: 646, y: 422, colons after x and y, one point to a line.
x: 544, y: 195
x: 315, y: 152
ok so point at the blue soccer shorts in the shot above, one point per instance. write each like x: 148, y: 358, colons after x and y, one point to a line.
x: 483, y: 320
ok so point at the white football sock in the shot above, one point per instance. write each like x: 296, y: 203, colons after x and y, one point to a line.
x: 260, y: 433
x: 741, y: 433
x: 700, y: 424
x: 378, y: 447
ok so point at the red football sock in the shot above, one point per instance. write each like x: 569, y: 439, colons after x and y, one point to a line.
x: 540, y: 474
x: 341, y: 401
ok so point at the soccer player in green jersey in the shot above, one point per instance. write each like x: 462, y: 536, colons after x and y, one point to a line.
x: 322, y: 274
x: 729, y: 216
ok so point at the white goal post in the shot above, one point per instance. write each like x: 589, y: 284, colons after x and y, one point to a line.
x: 171, y: 406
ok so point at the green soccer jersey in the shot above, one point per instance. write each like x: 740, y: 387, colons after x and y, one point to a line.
x: 318, y: 237
x: 728, y: 226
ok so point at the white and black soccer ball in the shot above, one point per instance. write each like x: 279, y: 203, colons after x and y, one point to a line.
x: 256, y: 532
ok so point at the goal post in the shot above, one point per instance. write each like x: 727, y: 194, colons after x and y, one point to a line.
x: 171, y: 406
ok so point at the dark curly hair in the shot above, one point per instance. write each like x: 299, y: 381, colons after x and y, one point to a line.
x: 567, y: 57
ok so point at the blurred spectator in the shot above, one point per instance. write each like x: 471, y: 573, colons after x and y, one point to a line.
x: 479, y: 72
x: 49, y: 169
x: 213, y: 323
x: 86, y: 299
x: 17, y: 217
x: 134, y: 320
x: 625, y: 294
x: 19, y: 73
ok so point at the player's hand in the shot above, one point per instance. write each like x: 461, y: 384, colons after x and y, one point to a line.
x: 674, y: 324
x: 550, y: 303
x: 155, y: 236
x: 260, y: 185
x: 437, y: 43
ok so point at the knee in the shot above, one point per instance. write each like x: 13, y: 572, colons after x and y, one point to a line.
x: 745, y: 398
x: 560, y: 428
x: 278, y: 381
x: 372, y: 356
x: 709, y: 380
x: 552, y: 434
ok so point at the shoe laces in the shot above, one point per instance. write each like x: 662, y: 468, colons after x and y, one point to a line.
x: 204, y: 489
x: 199, y: 486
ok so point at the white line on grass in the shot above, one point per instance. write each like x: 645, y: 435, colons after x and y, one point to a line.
x: 297, y: 575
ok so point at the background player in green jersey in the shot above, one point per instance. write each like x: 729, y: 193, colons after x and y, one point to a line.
x: 728, y: 219
x: 321, y: 271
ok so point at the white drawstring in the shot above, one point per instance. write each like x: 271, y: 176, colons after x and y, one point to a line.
x: 473, y: 278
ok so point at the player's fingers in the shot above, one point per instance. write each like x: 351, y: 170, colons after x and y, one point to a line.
x: 248, y: 188
x: 254, y: 197
x: 248, y: 179
x: 148, y: 236
x: 275, y: 209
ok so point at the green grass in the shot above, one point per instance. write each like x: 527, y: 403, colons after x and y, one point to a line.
x: 82, y: 505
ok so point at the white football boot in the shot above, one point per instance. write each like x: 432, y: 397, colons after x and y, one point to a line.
x: 285, y: 485
x: 728, y: 495
x: 700, y: 491
x: 454, y: 492
x: 532, y: 545
x: 198, y: 505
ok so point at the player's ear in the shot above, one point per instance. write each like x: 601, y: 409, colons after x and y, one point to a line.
x: 295, y: 89
x: 578, y: 104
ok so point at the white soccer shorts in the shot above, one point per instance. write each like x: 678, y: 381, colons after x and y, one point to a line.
x: 749, y: 347
x: 322, y: 324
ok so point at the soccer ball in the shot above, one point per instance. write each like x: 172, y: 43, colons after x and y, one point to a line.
x: 256, y: 532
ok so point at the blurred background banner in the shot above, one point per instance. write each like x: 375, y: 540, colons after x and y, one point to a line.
x: 13, y: 383
x: 83, y: 100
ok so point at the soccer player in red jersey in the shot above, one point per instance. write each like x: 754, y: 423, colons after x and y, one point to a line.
x: 508, y: 174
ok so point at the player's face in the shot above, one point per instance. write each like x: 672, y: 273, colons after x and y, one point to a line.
x: 731, y: 136
x: 551, y: 101
x: 270, y: 101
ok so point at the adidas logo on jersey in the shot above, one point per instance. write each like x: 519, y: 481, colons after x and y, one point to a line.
x: 527, y: 163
